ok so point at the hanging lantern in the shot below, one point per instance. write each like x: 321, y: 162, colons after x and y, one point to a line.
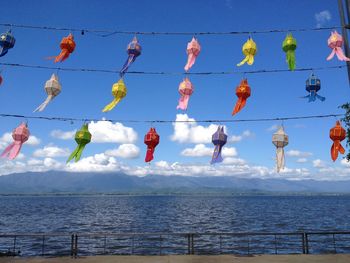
x: 134, y: 50
x: 82, y: 137
x: 335, y: 42
x: 119, y: 91
x: 280, y: 140
x: 313, y: 85
x: 185, y: 90
x: 219, y: 139
x: 7, y: 41
x: 20, y: 135
x: 52, y: 88
x: 337, y: 134
x: 67, y: 47
x: 151, y: 140
x: 249, y: 49
x: 289, y: 46
x: 243, y: 93
x: 193, y: 50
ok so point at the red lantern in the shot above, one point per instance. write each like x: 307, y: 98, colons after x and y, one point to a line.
x: 151, y: 140
x: 337, y: 134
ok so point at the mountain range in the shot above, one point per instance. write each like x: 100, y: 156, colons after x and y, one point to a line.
x: 115, y: 183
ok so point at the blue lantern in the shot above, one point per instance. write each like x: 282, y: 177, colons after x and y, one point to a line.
x: 134, y: 50
x: 7, y: 41
x: 219, y: 139
x: 313, y: 85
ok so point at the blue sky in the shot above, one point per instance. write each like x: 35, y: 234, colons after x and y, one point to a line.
x: 184, y: 149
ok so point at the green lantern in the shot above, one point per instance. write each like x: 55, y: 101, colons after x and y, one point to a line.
x: 289, y: 46
x: 82, y: 137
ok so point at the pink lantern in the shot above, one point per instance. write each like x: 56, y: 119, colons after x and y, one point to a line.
x: 20, y: 135
x: 185, y: 90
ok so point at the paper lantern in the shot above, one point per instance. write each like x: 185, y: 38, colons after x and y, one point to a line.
x: 151, y: 140
x: 280, y: 140
x: 337, y: 134
x: 20, y: 135
x: 82, y: 137
x: 185, y: 90
x: 313, y: 85
x: 219, y: 139
x: 249, y: 49
x: 67, y: 47
x: 193, y: 50
x: 52, y: 88
x: 134, y: 50
x: 119, y: 91
x: 243, y: 93
x: 7, y: 41
x: 335, y: 42
x: 289, y: 46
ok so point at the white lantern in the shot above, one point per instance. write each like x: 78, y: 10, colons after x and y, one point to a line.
x: 280, y: 140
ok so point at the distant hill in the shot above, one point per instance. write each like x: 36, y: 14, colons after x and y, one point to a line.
x: 88, y: 183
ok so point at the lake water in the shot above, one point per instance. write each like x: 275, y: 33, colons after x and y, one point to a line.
x: 208, y: 214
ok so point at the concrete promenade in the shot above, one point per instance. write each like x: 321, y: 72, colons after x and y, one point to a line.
x: 339, y: 258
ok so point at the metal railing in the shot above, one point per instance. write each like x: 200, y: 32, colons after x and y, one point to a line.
x: 84, y: 244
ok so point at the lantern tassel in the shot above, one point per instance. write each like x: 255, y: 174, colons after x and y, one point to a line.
x: 280, y: 158
x: 340, y: 54
x: 76, y: 153
x: 12, y: 150
x: 190, y: 62
x: 183, y: 102
x: 3, y: 51
x: 111, y: 105
x: 128, y: 62
x: 149, y: 154
x: 336, y: 147
x: 217, y: 158
x: 249, y: 59
x: 239, y: 105
x: 291, y: 59
x: 44, y: 104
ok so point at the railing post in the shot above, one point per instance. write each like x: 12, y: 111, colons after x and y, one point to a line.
x: 104, y: 245
x: 160, y: 245
x: 76, y: 246
x: 306, y: 244
x: 43, y: 246
x: 14, y: 245
x: 72, y: 246
x: 334, y: 246
x: 275, y: 244
x: 192, y: 244
x: 189, y: 244
x: 220, y: 244
x: 303, y: 243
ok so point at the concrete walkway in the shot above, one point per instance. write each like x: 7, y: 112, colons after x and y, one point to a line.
x: 340, y: 258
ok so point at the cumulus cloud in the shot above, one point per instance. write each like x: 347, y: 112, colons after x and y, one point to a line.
x: 238, y: 138
x: 97, y: 163
x: 127, y: 151
x: 201, y: 150
x: 322, y: 18
x: 103, y: 132
x: 302, y: 160
x: 318, y: 163
x: 51, y: 151
x: 6, y: 139
x: 273, y: 128
x: 296, y: 153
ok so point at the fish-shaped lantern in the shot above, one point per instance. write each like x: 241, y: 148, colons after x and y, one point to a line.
x: 337, y: 134
x: 134, y: 50
x: 185, y: 90
x: 193, y: 50
x: 289, y: 46
x: 243, y: 93
x: 219, y: 139
x: 151, y: 140
x: 52, y: 88
x: 82, y: 137
x: 20, y: 135
x: 119, y: 91
x: 280, y: 140
x: 249, y: 49
x: 335, y: 42
x: 67, y: 47
x: 313, y: 85
x: 7, y: 41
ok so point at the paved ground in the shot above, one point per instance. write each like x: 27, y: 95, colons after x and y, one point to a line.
x: 191, y: 259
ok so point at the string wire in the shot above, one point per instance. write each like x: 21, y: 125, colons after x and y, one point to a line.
x: 69, y: 119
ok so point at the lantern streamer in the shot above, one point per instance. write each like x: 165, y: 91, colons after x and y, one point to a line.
x: 20, y: 135
x: 193, y: 50
x: 134, y: 50
x: 82, y: 137
x: 185, y: 90
x: 119, y: 91
x: 337, y: 134
x: 249, y: 49
x: 151, y: 140
x: 243, y: 93
x: 52, y: 88
x: 335, y: 42
x: 289, y: 46
x: 219, y: 139
x: 280, y: 140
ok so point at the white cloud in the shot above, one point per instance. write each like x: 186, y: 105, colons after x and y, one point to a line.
x: 318, y: 163
x: 7, y: 139
x: 296, y: 153
x: 238, y: 138
x: 97, y: 163
x: 127, y: 151
x: 233, y: 161
x: 302, y: 160
x: 273, y: 128
x: 322, y: 18
x: 51, y: 151
x: 201, y: 150
x: 103, y: 132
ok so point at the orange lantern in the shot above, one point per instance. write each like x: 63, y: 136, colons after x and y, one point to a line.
x: 67, y: 47
x: 337, y: 134
x: 242, y: 92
